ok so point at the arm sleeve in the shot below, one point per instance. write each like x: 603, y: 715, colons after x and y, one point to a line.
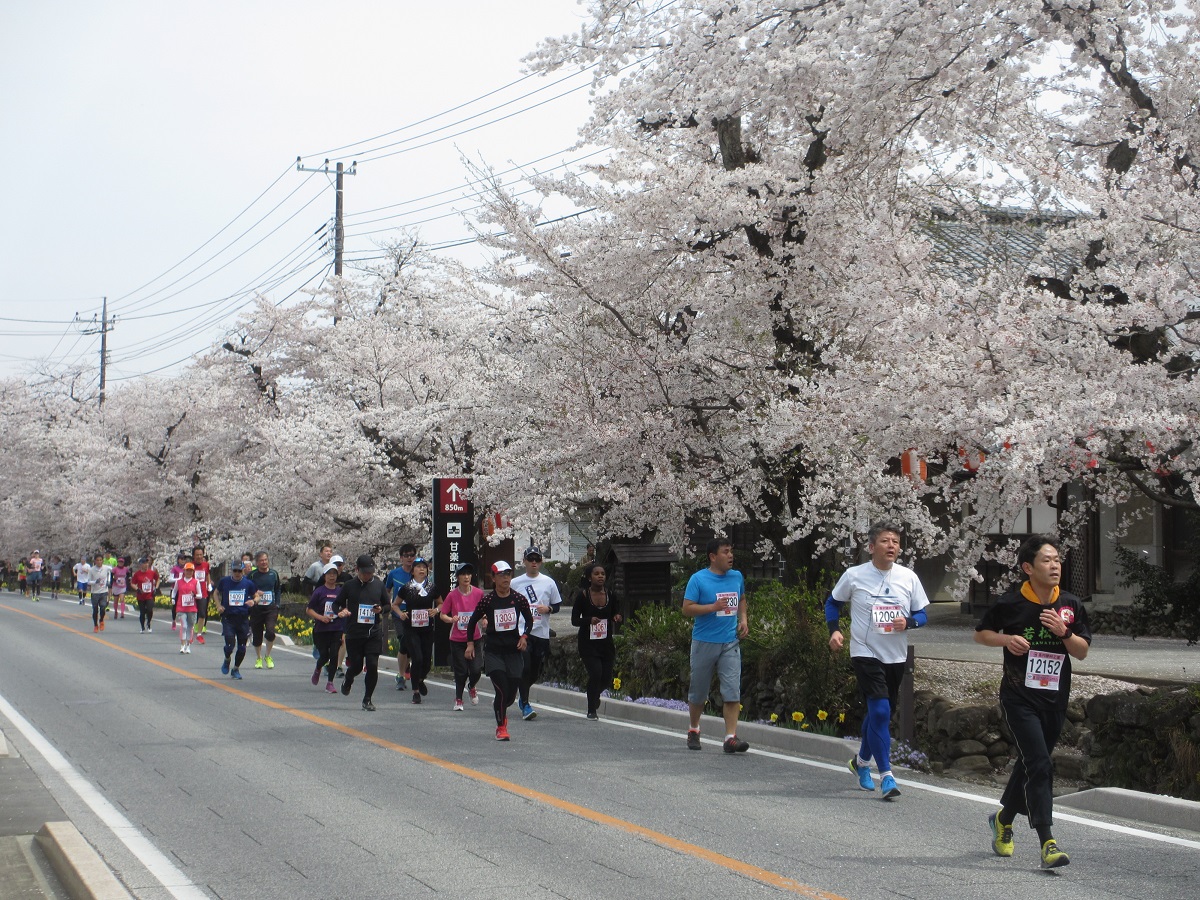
x: 483, y: 608
x: 833, y: 612
x: 556, y: 601
x: 578, y: 610
x: 526, y: 612
x: 918, y: 619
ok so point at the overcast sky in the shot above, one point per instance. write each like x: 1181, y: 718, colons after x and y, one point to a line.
x: 132, y: 132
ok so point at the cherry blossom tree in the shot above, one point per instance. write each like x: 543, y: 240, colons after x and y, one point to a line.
x: 765, y: 308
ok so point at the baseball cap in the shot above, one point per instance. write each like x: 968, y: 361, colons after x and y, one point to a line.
x: 364, y: 562
x: 501, y: 567
x: 465, y: 567
x: 187, y: 566
x: 142, y: 560
x: 533, y: 553
x: 420, y: 561
x: 329, y: 567
x: 237, y: 564
x: 336, y: 560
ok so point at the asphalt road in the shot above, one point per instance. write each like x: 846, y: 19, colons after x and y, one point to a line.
x: 271, y: 788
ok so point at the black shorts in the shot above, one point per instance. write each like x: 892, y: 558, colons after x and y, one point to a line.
x: 876, y: 679
x: 511, y: 663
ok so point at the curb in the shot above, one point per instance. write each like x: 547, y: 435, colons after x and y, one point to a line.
x: 77, y: 865
x: 813, y: 746
x: 1169, y: 812
x: 1150, y: 809
x: 3, y: 746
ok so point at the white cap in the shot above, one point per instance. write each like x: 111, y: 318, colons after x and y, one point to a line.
x: 502, y: 566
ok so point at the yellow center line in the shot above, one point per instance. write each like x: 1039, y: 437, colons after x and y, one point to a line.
x: 763, y: 876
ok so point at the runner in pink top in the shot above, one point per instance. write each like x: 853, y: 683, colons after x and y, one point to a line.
x: 457, y: 607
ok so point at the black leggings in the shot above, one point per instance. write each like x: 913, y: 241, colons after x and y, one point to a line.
x: 327, y: 643
x: 536, y: 650
x: 145, y: 612
x: 600, y: 673
x: 506, y: 688
x: 465, y: 670
x: 419, y: 644
x: 99, y: 608
x: 239, y: 632
x: 363, y: 653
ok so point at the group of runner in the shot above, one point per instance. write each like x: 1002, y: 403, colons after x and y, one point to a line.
x: 505, y: 634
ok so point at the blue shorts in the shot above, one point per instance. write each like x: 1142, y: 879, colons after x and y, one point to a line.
x: 727, y: 660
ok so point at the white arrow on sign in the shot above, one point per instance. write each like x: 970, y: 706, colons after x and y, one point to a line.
x: 454, y: 491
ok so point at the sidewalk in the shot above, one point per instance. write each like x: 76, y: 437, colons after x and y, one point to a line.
x: 950, y: 635
x: 25, y: 806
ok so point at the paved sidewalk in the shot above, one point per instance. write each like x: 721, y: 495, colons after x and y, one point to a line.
x: 950, y: 635
x: 25, y: 806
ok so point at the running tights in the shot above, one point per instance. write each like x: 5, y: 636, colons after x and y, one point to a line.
x: 99, y: 608
x: 506, y: 688
x: 466, y: 671
x: 600, y: 673
x: 877, y: 737
x: 145, y: 612
x: 327, y: 644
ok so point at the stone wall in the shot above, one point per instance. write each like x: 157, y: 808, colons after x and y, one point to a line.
x: 1144, y: 740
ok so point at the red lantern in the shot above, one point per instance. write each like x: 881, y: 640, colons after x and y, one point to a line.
x: 912, y: 464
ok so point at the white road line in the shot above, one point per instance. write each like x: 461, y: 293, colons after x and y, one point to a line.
x: 170, y: 877
x: 831, y: 767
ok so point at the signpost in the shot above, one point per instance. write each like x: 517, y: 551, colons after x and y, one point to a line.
x: 453, y: 542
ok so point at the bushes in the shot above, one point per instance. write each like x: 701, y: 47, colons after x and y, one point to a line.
x: 787, y: 666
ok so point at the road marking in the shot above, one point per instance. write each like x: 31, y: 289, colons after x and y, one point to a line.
x: 763, y: 876
x: 168, y: 875
x: 637, y: 726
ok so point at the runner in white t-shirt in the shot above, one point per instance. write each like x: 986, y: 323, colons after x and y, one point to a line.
x: 885, y: 600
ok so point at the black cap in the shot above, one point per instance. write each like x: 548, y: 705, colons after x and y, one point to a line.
x: 464, y: 568
x: 533, y: 553
x: 365, y: 562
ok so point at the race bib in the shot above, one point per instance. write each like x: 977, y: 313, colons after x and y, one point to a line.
x: 883, y: 615
x: 729, y: 601
x: 600, y: 630
x: 504, y: 619
x: 187, y: 602
x: 1043, y: 670
x: 237, y: 598
x: 268, y: 597
x: 464, y: 619
x: 366, y: 614
x: 419, y: 618
x: 328, y: 608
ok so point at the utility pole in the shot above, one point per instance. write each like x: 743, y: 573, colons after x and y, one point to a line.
x: 103, y: 328
x: 338, y: 234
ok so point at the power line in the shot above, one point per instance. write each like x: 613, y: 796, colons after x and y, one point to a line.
x: 224, y: 228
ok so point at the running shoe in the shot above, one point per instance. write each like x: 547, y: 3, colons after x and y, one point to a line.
x: 329, y: 688
x: 182, y: 648
x: 270, y: 662
x: 528, y: 712
x: 1002, y: 835
x: 1052, y: 857
x: 368, y: 706
x: 346, y: 685
x: 693, y: 742
x: 735, y: 745
x: 316, y: 676
x: 188, y: 649
x: 416, y: 696
x: 863, y: 773
x: 225, y: 666
x: 592, y: 717
x: 101, y: 626
x: 888, y: 787
x: 458, y: 706
x: 401, y: 684
x: 141, y: 631
x: 149, y: 631
x: 95, y: 629
x: 199, y: 639
x: 258, y: 664
x: 474, y: 695
x: 173, y: 626
x: 502, y: 731
x: 235, y: 675
x: 341, y: 670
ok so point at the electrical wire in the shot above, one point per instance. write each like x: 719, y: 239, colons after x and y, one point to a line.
x: 142, y: 303
x: 224, y: 228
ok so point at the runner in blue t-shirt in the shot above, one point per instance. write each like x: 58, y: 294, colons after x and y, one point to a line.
x: 716, y: 598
